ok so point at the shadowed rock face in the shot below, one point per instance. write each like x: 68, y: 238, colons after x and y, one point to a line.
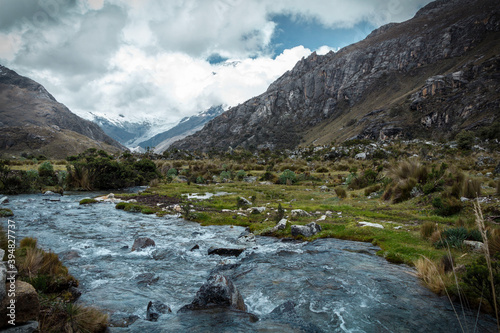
x: 394, y: 61
x: 32, y: 121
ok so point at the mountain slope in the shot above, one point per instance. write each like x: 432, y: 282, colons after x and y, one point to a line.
x: 185, y: 127
x: 32, y: 121
x: 430, y: 76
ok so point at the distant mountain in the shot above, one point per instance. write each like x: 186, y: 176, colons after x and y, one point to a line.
x: 124, y: 131
x: 33, y: 122
x: 429, y: 77
x: 185, y: 127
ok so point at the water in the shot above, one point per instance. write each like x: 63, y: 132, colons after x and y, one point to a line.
x: 337, y: 286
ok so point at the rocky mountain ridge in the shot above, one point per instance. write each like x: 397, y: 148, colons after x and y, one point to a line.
x: 431, y: 76
x: 33, y: 122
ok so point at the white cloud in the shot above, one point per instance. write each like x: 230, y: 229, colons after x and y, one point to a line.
x: 146, y: 58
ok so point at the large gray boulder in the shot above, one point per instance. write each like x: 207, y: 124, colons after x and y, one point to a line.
x: 218, y: 292
x: 142, y: 243
x: 307, y: 230
x: 155, y: 310
x: 280, y: 226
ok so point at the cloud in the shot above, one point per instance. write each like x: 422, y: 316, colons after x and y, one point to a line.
x: 148, y: 58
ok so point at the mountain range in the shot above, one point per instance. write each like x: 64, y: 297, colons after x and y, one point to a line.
x: 33, y: 122
x: 429, y: 77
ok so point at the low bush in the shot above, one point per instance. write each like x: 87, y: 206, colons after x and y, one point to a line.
x: 340, y: 192
x: 472, y: 188
x: 241, y: 174
x: 287, y: 177
x: 447, y: 206
x: 454, y: 237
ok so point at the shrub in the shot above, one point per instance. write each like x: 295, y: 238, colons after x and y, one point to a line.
x: 454, y: 237
x: 477, y: 282
x: 447, y: 206
x: 200, y: 180
x: 241, y: 174
x: 373, y: 188
x: 465, y: 140
x: 427, y: 229
x: 405, y: 176
x: 287, y: 177
x: 368, y: 178
x: 225, y: 175
x: 280, y: 213
x: 5, y: 212
x: 340, y: 192
x: 172, y: 172
x: 322, y: 170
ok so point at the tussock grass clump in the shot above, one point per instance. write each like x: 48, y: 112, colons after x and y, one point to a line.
x: 340, y: 192
x: 372, y: 189
x: 427, y: 229
x: 472, y: 188
x: 405, y: 176
x: 28, y: 242
x: 69, y: 317
x: 433, y: 275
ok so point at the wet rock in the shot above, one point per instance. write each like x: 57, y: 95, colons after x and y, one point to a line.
x: 4, y: 200
x: 75, y: 293
x: 218, y: 292
x: 280, y: 226
x: 122, y: 320
x: 48, y: 193
x: 27, y: 305
x: 146, y: 279
x: 196, y: 247
x: 248, y: 238
x: 225, y: 252
x: 155, y: 310
x: 28, y: 327
x: 307, y: 230
x: 223, y: 268
x: 125, y: 247
x: 142, y: 242
x: 162, y: 254
x: 299, y: 212
x: 70, y: 255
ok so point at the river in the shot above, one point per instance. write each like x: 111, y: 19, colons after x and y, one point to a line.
x: 336, y: 286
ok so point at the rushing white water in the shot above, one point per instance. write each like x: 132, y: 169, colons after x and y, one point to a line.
x: 337, y: 286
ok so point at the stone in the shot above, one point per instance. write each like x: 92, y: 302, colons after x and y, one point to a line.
x: 118, y: 320
x: 250, y: 179
x: 307, y: 230
x: 360, y: 156
x: 497, y: 169
x: 369, y: 224
x: 474, y: 245
x: 4, y: 200
x: 218, y: 292
x: 27, y: 304
x: 146, y: 279
x: 299, y: 212
x: 70, y: 255
x: 244, y: 201
x: 155, y: 309
x: 324, y: 188
x: 248, y: 238
x: 28, y: 327
x: 280, y: 226
x: 256, y: 210
x: 196, y: 247
x: 322, y: 218
x: 49, y: 193
x: 142, y: 242
x: 225, y: 252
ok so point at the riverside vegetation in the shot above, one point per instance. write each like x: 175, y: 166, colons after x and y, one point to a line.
x: 417, y: 197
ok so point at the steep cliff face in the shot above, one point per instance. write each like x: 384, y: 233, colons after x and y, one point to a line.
x: 32, y: 121
x: 381, y: 87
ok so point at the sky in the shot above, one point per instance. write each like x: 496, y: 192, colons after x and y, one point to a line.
x: 164, y: 60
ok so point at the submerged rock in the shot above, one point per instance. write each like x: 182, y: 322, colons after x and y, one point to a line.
x: 142, y: 242
x: 122, y: 320
x: 155, y: 309
x: 226, y: 252
x: 286, y: 313
x: 146, y: 279
x: 307, y: 230
x: 218, y: 292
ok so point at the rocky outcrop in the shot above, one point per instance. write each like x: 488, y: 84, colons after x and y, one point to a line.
x: 335, y: 95
x: 142, y: 243
x: 218, y: 292
x: 307, y: 230
x: 280, y: 226
x: 33, y: 122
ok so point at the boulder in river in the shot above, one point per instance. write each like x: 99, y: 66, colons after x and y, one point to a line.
x: 146, y: 279
x: 142, y: 242
x: 218, y: 292
x: 225, y: 252
x: 307, y: 230
x: 4, y: 200
x: 155, y: 309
